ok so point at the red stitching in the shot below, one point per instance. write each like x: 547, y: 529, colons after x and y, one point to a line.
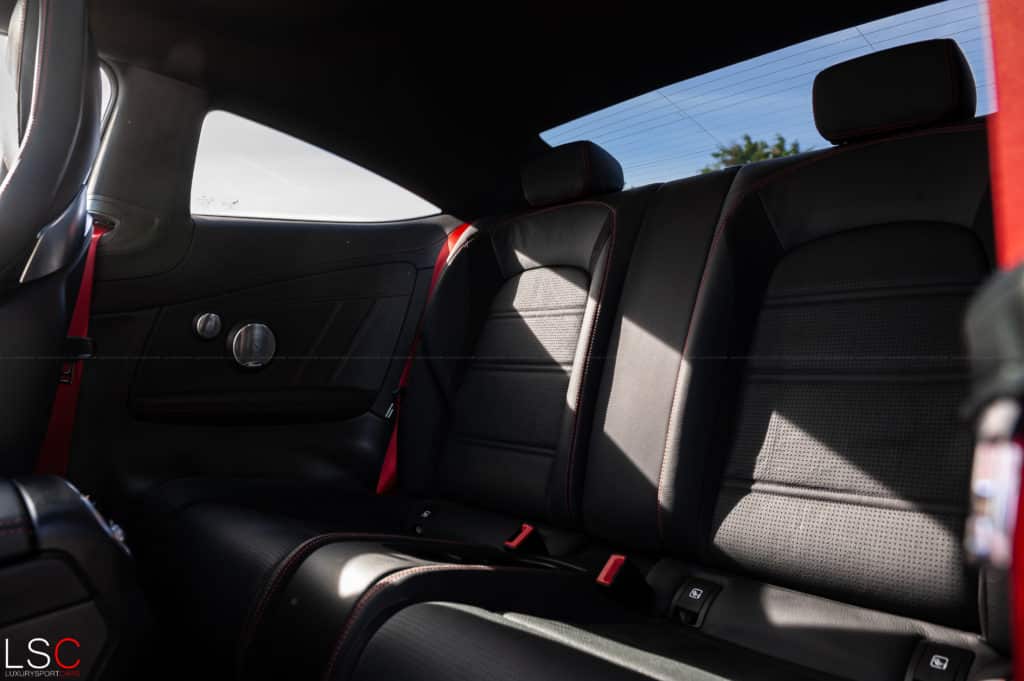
x: 382, y: 584
x: 549, y: 209
x: 283, y: 571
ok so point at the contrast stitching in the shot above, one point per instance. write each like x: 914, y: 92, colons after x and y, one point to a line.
x: 284, y: 570
x: 14, y: 530
x: 562, y: 206
x: 385, y: 582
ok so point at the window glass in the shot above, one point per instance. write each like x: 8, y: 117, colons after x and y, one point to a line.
x: 761, y: 107
x: 246, y: 169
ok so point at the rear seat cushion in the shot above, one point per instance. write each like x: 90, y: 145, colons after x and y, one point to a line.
x: 205, y: 563
x: 449, y: 641
x: 753, y: 631
x: 204, y: 571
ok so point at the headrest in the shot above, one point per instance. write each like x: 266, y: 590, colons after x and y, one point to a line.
x: 908, y: 87
x: 568, y: 172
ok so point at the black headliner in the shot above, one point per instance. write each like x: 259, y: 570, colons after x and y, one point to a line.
x: 442, y: 105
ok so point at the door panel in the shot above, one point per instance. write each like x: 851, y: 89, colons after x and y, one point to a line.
x: 317, y: 321
x: 343, y: 301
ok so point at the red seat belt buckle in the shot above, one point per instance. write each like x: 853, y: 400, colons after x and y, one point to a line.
x: 623, y: 579
x: 516, y: 541
x: 610, y: 572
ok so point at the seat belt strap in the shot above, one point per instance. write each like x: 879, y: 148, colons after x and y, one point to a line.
x: 1006, y: 131
x: 389, y: 469
x: 56, y: 448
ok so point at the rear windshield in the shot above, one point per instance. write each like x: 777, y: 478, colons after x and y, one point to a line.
x: 761, y: 108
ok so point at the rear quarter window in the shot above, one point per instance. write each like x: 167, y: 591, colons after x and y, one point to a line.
x: 245, y: 169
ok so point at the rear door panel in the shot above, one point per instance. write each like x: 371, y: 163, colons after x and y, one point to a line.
x: 343, y: 301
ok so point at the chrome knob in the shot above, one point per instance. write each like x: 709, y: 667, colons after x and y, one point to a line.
x: 207, y: 325
x: 252, y: 345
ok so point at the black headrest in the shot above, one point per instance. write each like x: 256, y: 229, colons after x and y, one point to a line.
x: 912, y: 86
x: 570, y: 171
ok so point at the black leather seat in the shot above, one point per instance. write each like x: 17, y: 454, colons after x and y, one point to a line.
x: 493, y: 424
x: 815, y: 468
x: 771, y: 409
x: 48, y: 140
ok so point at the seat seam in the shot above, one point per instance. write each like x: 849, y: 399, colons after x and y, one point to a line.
x: 832, y: 495
x: 14, y: 530
x: 524, y: 448
x: 394, y: 579
x: 283, y: 570
x: 570, y: 465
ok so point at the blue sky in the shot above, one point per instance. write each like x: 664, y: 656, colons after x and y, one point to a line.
x: 670, y: 132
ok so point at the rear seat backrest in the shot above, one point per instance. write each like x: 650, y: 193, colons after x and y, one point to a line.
x: 636, y: 416
x: 509, y: 344
x: 836, y: 288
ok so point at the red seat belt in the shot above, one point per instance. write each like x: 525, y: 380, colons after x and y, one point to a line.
x: 56, y: 448
x: 1006, y: 130
x: 1006, y: 147
x: 389, y: 469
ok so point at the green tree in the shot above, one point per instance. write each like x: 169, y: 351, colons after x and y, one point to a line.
x: 750, y: 150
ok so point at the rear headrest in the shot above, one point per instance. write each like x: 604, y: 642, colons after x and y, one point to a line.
x: 570, y: 171
x: 908, y: 87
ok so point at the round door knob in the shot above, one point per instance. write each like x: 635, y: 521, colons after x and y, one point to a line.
x: 252, y: 345
x: 207, y: 325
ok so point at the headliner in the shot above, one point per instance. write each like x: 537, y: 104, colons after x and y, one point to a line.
x: 443, y: 106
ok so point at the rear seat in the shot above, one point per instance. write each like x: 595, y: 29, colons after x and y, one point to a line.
x: 777, y: 417
x: 814, y: 467
x: 327, y: 632
x: 492, y: 426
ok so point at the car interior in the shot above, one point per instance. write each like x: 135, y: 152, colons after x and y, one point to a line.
x: 529, y: 409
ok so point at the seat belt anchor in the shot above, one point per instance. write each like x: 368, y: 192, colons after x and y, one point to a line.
x: 75, y: 348
x: 392, y: 409
x: 78, y: 347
